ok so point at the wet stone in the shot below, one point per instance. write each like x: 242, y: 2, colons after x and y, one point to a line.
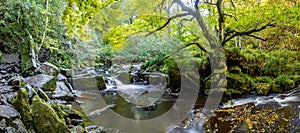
x: 8, y: 112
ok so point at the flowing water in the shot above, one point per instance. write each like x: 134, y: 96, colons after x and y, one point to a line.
x: 137, y: 107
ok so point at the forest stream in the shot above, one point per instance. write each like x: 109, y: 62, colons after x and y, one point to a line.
x: 137, y: 101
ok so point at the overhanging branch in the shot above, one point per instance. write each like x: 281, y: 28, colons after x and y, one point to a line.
x: 245, y: 33
x: 167, y: 22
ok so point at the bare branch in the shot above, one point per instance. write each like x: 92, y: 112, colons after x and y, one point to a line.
x: 184, y: 8
x: 257, y: 37
x: 160, y: 5
x: 167, y: 22
x: 229, y: 15
x: 247, y: 33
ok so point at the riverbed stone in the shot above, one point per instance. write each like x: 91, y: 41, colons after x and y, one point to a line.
x: 43, y: 81
x: 89, y: 83
x: 8, y: 112
x: 124, y: 77
x: 21, y: 103
x: 45, y: 118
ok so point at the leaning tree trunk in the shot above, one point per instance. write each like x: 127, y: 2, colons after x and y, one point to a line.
x: 217, y: 59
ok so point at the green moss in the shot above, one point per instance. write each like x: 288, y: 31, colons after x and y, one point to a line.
x: 61, y: 114
x: 238, y: 83
x: 50, y: 85
x: 45, y: 118
x: 21, y: 103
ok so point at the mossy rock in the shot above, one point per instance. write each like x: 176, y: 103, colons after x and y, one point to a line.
x: 21, y: 103
x: 43, y: 81
x: 45, y: 118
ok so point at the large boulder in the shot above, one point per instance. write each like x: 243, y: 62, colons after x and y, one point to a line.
x: 21, y: 103
x: 45, y: 118
x: 89, y: 83
x: 43, y: 81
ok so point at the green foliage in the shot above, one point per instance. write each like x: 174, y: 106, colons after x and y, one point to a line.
x: 285, y: 82
x: 79, y: 12
x: 142, y: 25
x: 23, y: 24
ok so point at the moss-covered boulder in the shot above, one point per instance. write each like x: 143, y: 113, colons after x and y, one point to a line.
x: 45, y: 118
x: 21, y: 103
x: 43, y: 81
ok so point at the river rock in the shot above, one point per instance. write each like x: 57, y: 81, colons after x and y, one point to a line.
x: 124, y: 77
x: 89, y: 83
x: 49, y: 69
x: 45, y: 117
x: 8, y: 112
x: 43, y: 81
x: 21, y: 103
